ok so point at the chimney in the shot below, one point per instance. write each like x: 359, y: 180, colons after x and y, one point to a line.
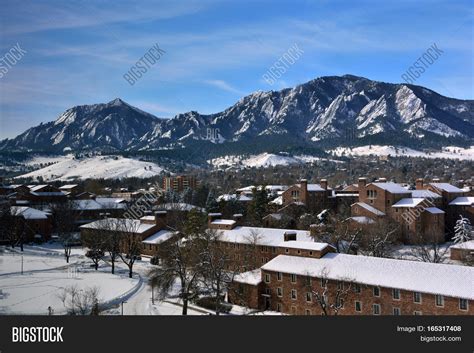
x: 303, y: 191
x: 419, y: 184
x: 304, y: 184
x: 362, y: 183
x: 324, y: 184
x: 238, y: 219
x: 289, y: 235
x: 382, y: 180
x: 161, y: 219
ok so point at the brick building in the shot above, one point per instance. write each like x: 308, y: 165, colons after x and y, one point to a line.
x: 416, y: 211
x: 359, y: 285
x: 251, y: 247
x: 179, y: 183
x: 151, y: 231
x: 35, y: 225
x: 463, y: 251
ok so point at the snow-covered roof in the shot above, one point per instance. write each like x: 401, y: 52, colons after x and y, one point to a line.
x: 47, y: 193
x: 223, y: 221
x: 449, y: 280
x: 434, y: 210
x: 462, y: 201
x: 277, y: 201
x: 276, y: 216
x: 68, y: 187
x: 109, y: 199
x: 37, y: 187
x: 370, y: 208
x: 159, y: 237
x: 424, y: 194
x: 362, y: 219
x: 308, y: 245
x: 392, y: 188
x: 92, y: 204
x: 261, y: 236
x: 147, y: 218
x: 181, y: 206
x: 250, y: 277
x: 467, y: 245
x: 119, y: 224
x: 408, y: 202
x: 233, y: 197
x: 446, y: 187
x: 314, y: 187
x: 28, y: 212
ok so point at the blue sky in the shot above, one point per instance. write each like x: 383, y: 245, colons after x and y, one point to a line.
x: 217, y: 51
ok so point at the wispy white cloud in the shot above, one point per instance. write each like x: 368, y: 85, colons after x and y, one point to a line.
x: 221, y: 84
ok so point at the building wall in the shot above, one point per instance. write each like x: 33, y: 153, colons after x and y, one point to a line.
x: 366, y: 297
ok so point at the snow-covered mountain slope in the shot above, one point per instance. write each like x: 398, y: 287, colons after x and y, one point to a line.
x: 450, y: 152
x: 344, y: 109
x: 107, y: 167
x: 262, y: 160
x: 111, y: 126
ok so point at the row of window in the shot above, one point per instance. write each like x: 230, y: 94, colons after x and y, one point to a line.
x: 376, y: 308
x: 396, y: 294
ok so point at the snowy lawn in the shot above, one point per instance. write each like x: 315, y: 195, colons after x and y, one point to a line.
x: 10, y: 263
x: 34, y: 292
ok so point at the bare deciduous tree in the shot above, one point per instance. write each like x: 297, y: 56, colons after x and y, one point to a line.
x: 426, y: 251
x: 80, y: 301
x: 130, y: 243
x: 331, y: 295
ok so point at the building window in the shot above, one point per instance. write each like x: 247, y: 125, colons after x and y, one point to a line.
x: 417, y: 297
x: 279, y: 307
x: 396, y: 294
x: 416, y: 312
x: 308, y: 281
x: 396, y: 311
x: 340, y: 285
x: 279, y: 276
x: 287, y: 250
x: 376, y: 291
x: 299, y: 251
x: 307, y: 312
x: 439, y: 300
x: 267, y: 278
x: 376, y: 309
x: 356, y: 288
x: 323, y: 283
x: 293, y: 278
x: 309, y: 297
x: 293, y: 294
x: 358, y: 306
x: 463, y: 304
x: 279, y: 291
x: 310, y: 253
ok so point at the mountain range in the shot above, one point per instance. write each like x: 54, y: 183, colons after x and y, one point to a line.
x: 327, y: 111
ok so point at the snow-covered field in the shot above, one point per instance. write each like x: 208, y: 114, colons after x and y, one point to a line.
x: 108, y: 167
x: 34, y: 292
x: 450, y: 152
x: 262, y: 160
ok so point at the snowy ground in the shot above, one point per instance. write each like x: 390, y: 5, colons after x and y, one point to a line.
x: 450, y: 152
x: 34, y: 292
x: 46, y: 273
x: 107, y: 167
